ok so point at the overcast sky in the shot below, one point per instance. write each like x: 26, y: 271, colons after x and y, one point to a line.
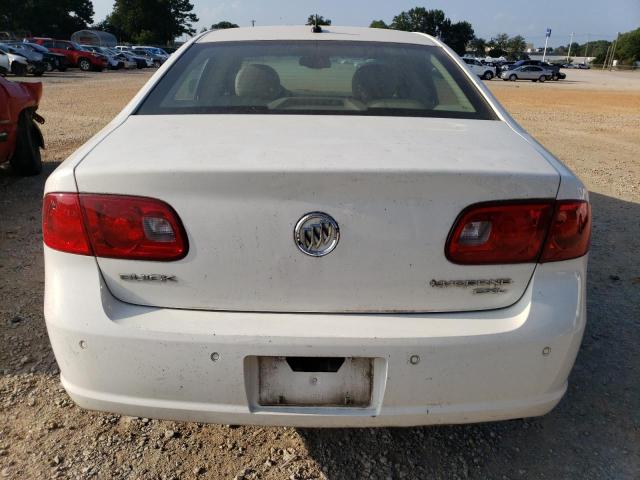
x: 599, y: 19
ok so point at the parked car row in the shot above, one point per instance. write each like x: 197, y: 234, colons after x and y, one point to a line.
x: 38, y: 55
x: 12, y: 63
x: 534, y: 70
x: 118, y: 59
x: 157, y: 55
x: 580, y: 66
x: 548, y: 70
x: 23, y: 59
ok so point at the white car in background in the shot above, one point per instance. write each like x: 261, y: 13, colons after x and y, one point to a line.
x: 485, y: 72
x: 315, y: 229
x: 116, y: 58
x: 11, y: 63
x: 140, y: 53
x: 127, y: 60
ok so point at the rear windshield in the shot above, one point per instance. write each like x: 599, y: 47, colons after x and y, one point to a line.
x: 316, y: 77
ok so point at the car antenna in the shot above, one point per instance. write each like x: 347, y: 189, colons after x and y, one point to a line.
x: 316, y: 28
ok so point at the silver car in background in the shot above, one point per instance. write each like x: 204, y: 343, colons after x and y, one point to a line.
x: 527, y: 72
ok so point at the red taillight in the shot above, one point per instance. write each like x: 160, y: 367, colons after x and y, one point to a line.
x: 126, y: 227
x: 62, y: 226
x: 520, y: 232
x: 499, y: 233
x: 570, y: 231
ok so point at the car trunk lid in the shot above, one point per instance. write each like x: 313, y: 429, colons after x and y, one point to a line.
x: 240, y: 184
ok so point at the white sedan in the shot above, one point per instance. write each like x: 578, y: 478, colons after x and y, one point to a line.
x: 12, y: 63
x: 288, y: 227
x: 483, y: 71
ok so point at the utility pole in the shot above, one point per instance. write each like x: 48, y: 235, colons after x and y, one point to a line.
x: 613, y: 52
x: 546, y: 41
x: 606, y: 58
x: 570, y: 43
x: 586, y: 51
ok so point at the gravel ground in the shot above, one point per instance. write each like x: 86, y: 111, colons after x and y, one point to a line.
x: 593, y: 433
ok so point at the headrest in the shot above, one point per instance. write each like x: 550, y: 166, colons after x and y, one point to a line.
x: 373, y: 82
x: 258, y: 81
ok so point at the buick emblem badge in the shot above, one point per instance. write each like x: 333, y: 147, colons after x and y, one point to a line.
x: 316, y: 234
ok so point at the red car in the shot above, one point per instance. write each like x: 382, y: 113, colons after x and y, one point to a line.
x: 20, y: 137
x: 75, y: 54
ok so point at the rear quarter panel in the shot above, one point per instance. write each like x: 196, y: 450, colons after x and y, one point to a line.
x: 5, y: 126
x: 14, y: 98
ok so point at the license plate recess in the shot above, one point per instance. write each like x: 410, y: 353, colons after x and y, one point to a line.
x: 315, y: 382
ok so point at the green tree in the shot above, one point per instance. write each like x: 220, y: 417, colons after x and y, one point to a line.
x: 223, y: 25
x: 502, y: 45
x: 106, y: 26
x: 435, y: 23
x: 419, y: 19
x: 516, y: 46
x: 458, y: 36
x: 588, y: 49
x: 58, y: 18
x: 378, y: 24
x: 576, y: 49
x: 597, y: 48
x: 498, y: 45
x: 628, y: 48
x: 319, y: 19
x: 561, y: 50
x: 152, y: 21
x: 478, y: 46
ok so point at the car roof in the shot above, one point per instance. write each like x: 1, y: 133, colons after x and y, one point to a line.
x: 304, y: 32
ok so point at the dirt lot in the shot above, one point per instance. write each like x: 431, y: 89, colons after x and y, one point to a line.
x: 591, y: 122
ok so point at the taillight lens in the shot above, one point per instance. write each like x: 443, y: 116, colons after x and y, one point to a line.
x: 499, y: 233
x: 520, y: 232
x: 126, y: 227
x: 62, y: 226
x: 570, y: 232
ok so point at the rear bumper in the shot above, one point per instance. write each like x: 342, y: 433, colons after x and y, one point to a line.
x: 475, y: 366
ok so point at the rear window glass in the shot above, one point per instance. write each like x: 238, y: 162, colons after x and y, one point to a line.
x: 316, y: 77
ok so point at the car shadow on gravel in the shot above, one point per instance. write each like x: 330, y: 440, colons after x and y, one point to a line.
x: 24, y: 346
x: 593, y: 433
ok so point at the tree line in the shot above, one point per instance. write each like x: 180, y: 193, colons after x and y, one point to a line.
x: 150, y: 21
x: 139, y: 21
x: 627, y: 49
x: 59, y: 18
x: 161, y: 21
x: 433, y: 22
x: 502, y: 45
